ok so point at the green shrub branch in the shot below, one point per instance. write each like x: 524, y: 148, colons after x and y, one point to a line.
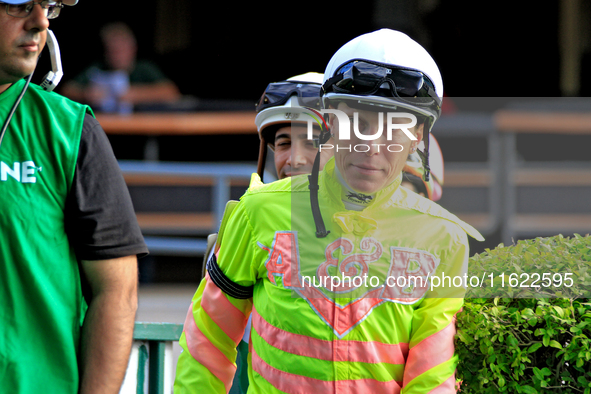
x: 521, y: 339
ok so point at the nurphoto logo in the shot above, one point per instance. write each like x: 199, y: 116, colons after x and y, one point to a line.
x: 344, y: 134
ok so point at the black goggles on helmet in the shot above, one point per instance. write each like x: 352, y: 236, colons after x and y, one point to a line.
x: 278, y: 93
x: 364, y: 78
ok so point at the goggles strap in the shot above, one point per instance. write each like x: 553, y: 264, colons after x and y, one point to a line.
x: 262, y: 157
x: 424, y: 155
x: 329, y: 82
x: 434, y: 95
x: 313, y: 186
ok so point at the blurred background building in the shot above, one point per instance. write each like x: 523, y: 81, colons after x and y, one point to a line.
x: 503, y: 56
x: 230, y: 51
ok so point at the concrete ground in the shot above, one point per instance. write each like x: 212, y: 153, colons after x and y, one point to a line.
x: 165, y: 303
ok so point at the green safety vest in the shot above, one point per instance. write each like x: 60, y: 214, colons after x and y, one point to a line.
x: 41, y: 302
x: 331, y: 337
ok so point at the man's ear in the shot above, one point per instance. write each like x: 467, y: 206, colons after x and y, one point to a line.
x: 331, y: 118
x: 418, y: 132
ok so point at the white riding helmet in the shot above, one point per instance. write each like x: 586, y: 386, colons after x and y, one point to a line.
x: 385, y: 68
x: 282, y: 104
x: 388, y: 69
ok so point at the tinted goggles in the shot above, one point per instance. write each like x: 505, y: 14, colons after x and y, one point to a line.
x: 278, y: 93
x: 364, y: 78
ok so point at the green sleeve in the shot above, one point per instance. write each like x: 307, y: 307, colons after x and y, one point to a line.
x: 431, y: 361
x: 215, y: 321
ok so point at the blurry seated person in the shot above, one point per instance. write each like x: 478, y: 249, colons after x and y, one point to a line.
x: 121, y: 80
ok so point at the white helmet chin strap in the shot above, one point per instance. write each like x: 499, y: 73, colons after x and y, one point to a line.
x: 313, y: 186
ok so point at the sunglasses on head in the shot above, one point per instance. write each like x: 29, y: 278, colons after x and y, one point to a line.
x: 278, y: 93
x: 364, y: 78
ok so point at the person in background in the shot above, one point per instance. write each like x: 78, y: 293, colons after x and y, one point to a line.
x: 70, y: 238
x: 284, y: 131
x: 121, y: 80
x: 283, y: 126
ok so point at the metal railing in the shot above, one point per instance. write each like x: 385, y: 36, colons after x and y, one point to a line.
x: 150, y: 369
x: 220, y: 174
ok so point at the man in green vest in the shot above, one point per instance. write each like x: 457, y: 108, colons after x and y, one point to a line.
x: 70, y: 240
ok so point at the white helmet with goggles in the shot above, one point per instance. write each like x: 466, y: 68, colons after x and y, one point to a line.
x: 386, y: 69
x: 282, y: 104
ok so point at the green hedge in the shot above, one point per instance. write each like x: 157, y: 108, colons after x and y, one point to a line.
x: 528, y: 339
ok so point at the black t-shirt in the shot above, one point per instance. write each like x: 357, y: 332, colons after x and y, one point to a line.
x: 100, y: 219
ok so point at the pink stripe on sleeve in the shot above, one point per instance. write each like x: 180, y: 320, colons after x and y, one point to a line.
x: 430, y: 352
x: 205, y: 353
x: 217, y: 306
x: 447, y: 387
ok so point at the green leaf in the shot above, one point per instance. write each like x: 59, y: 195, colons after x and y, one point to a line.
x: 528, y: 390
x: 546, y: 372
x: 555, y: 344
x: 534, y: 347
x: 559, y: 310
x: 543, y: 383
x: 559, y: 317
x: 575, y: 330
